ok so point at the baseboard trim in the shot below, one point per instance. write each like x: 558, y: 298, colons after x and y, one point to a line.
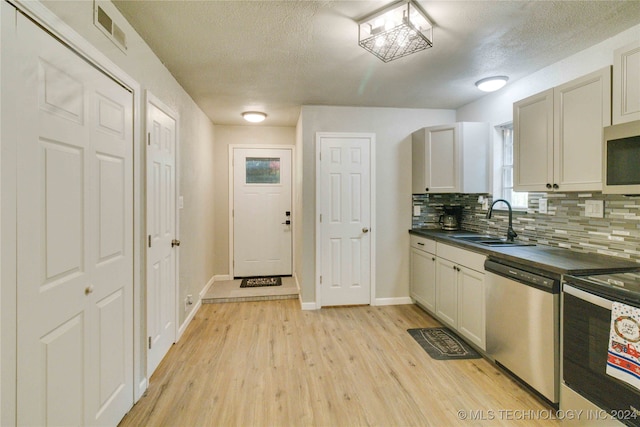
x: 142, y: 387
x: 308, y: 305
x: 392, y: 301
x: 221, y: 277
x: 188, y: 320
x: 204, y: 290
x: 195, y: 308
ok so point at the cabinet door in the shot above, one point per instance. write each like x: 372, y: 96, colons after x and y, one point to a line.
x: 582, y: 108
x: 447, y: 292
x: 471, y: 306
x: 533, y: 142
x: 423, y: 279
x: 626, y: 84
x: 442, y: 159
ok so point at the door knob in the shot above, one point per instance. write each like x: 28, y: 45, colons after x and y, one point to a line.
x: 88, y: 290
x: 175, y: 242
x: 365, y: 230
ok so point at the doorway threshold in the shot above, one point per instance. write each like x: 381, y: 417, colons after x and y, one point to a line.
x: 230, y: 291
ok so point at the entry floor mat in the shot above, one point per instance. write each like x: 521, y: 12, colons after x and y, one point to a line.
x: 443, y: 344
x: 254, y: 282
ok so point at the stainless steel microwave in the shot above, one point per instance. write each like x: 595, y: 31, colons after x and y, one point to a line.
x: 621, y: 159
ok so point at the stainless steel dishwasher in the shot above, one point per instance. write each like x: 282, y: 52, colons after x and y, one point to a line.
x: 523, y: 324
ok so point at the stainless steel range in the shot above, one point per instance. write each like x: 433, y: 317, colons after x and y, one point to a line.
x: 587, y: 319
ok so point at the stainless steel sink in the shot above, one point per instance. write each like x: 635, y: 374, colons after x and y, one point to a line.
x: 492, y: 241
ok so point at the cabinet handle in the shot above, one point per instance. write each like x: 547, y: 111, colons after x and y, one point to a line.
x: 556, y: 186
x: 420, y: 244
x: 433, y: 259
x: 548, y: 185
x: 426, y: 189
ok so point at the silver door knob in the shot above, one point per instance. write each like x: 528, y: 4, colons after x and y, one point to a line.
x: 365, y: 230
x: 88, y: 290
x: 175, y: 242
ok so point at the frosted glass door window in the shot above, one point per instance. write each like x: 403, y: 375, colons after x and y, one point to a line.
x: 263, y: 170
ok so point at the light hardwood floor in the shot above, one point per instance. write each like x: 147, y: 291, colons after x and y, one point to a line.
x: 270, y: 364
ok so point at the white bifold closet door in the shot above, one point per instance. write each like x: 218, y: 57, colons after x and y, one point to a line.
x: 75, y: 237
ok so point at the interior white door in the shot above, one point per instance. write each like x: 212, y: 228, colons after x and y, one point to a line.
x: 345, y: 220
x: 262, y: 217
x: 161, y: 229
x: 75, y: 237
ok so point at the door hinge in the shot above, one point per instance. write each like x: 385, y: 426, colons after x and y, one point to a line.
x: 321, y: 280
x: 149, y: 240
x: 320, y: 156
x: 149, y: 343
x: 320, y: 217
x: 149, y: 138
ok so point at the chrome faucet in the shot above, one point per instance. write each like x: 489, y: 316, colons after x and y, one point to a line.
x: 510, y: 233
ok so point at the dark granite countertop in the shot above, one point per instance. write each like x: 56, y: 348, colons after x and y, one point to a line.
x: 547, y: 258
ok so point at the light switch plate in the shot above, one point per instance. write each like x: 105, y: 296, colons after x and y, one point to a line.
x: 542, y: 205
x: 180, y: 202
x: 594, y: 208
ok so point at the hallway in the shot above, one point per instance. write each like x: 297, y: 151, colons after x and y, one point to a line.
x: 269, y: 363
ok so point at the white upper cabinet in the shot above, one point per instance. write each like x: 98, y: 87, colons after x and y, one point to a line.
x: 626, y: 83
x: 533, y: 142
x: 558, y: 135
x: 451, y: 159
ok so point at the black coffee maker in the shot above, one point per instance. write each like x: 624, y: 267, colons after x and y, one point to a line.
x: 450, y: 219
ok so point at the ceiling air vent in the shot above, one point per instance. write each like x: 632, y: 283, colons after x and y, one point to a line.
x: 103, y: 21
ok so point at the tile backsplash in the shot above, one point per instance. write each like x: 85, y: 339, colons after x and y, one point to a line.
x: 564, y: 225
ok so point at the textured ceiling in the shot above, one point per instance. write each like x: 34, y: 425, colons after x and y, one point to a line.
x: 274, y: 56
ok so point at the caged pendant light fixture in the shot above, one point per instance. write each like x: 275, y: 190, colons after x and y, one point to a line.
x: 397, y: 30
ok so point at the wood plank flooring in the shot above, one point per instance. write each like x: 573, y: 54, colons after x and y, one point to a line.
x: 269, y: 363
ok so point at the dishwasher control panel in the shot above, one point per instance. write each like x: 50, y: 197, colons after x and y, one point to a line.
x: 523, y: 276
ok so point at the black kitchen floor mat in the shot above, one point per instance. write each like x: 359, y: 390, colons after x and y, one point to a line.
x: 443, y: 344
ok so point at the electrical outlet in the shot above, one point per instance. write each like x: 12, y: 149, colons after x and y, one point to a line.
x: 416, y: 210
x: 594, y: 208
x: 543, y: 205
x: 485, y: 204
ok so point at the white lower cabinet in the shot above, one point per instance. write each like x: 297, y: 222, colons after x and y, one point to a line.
x: 471, y: 306
x: 423, y: 272
x: 447, y: 292
x: 449, y: 282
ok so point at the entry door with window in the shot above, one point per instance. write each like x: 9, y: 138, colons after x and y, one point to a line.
x: 345, y: 201
x: 262, y: 216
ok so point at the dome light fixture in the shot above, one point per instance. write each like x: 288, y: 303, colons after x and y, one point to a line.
x: 491, y: 84
x: 254, y: 116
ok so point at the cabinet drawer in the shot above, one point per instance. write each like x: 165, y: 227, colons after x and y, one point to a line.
x: 469, y: 259
x: 423, y: 244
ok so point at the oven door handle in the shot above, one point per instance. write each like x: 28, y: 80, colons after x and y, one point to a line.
x: 586, y: 296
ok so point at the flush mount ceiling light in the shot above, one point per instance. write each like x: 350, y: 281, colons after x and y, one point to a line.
x: 491, y: 84
x: 254, y: 116
x: 397, y: 30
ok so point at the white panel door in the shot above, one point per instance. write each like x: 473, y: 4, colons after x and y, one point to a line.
x: 262, y: 212
x: 75, y: 238
x: 345, y: 189
x: 161, y: 230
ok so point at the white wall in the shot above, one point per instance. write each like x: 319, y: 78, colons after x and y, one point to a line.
x: 236, y: 135
x: 497, y: 108
x: 393, y: 128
